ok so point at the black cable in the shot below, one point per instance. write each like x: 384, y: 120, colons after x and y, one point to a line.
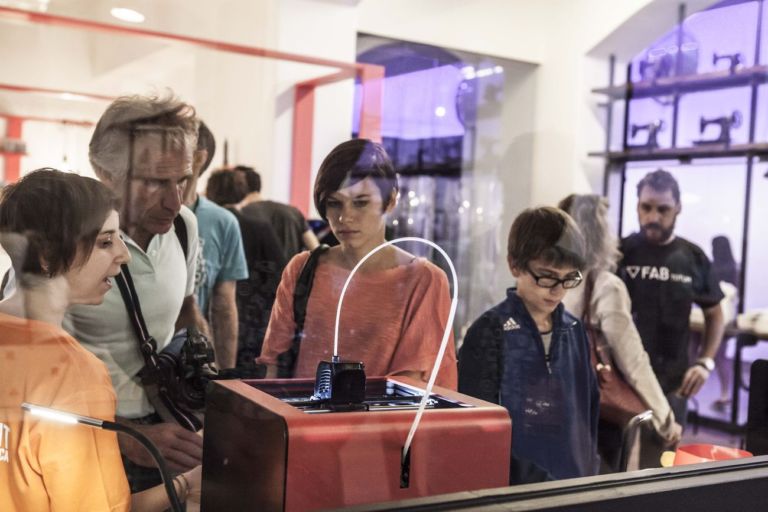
x: 173, y: 498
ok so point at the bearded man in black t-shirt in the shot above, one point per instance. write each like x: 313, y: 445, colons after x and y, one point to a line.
x: 665, y: 275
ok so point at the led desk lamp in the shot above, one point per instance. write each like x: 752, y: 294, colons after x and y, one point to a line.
x: 73, y: 419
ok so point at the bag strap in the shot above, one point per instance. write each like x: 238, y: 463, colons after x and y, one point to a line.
x: 301, y: 295
x: 180, y: 226
x: 589, y: 287
x: 304, y: 286
x: 6, y: 278
x: 593, y: 336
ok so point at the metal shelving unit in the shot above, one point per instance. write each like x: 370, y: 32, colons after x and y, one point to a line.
x: 675, y: 87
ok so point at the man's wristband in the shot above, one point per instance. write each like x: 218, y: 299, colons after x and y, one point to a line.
x: 706, y: 362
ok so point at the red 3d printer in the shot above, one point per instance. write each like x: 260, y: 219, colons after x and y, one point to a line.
x: 270, y: 445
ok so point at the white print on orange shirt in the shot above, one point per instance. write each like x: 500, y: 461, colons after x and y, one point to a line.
x: 4, y: 448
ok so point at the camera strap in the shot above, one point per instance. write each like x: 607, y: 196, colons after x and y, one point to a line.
x: 147, y: 344
x: 152, y: 378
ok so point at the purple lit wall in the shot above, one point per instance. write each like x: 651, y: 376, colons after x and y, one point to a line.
x: 713, y: 190
x: 724, y: 30
x: 420, y: 104
x: 727, y: 30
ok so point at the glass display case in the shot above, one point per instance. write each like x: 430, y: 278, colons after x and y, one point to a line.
x: 694, y: 104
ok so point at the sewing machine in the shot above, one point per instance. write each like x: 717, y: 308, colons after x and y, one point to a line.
x: 734, y: 60
x: 653, y: 128
x: 725, y: 123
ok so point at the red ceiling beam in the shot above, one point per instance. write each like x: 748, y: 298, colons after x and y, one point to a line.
x: 58, y: 93
x: 14, y: 125
x: 55, y: 120
x: 12, y: 161
x: 371, y: 79
x: 65, y: 21
x: 301, y: 146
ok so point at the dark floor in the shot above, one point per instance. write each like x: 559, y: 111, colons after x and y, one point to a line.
x: 697, y: 434
x: 714, y: 404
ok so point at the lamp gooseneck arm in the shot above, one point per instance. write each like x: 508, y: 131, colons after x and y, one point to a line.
x: 176, y: 505
x: 443, y: 343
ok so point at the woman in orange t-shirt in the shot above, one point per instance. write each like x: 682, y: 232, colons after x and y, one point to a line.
x: 62, y: 234
x: 396, y: 306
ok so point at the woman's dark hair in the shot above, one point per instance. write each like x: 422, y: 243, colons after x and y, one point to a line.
x: 353, y: 161
x: 721, y: 250
x: 57, y: 214
x: 724, y: 266
x: 224, y: 187
x: 251, y: 177
x: 548, y: 234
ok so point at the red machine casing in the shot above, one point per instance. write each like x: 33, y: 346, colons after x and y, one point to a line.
x: 263, y: 454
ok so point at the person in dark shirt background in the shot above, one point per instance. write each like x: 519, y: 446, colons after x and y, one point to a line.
x: 725, y: 270
x: 665, y: 275
x: 288, y: 222
x: 265, y: 261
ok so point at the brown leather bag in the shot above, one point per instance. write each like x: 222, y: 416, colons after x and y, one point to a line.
x: 619, y: 402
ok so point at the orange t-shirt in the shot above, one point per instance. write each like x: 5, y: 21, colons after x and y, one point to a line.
x: 392, y: 320
x: 46, y: 465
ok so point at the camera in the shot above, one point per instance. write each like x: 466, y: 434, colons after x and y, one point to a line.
x: 186, y: 366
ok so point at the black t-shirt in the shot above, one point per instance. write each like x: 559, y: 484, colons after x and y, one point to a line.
x: 287, y: 221
x: 256, y: 294
x: 663, y: 282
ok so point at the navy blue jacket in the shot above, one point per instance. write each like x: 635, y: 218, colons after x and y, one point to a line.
x: 553, y: 400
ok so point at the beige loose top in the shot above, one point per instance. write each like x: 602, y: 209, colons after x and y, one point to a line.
x: 611, y: 312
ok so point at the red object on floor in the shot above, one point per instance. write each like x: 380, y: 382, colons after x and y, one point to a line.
x: 261, y: 453
x: 696, y: 453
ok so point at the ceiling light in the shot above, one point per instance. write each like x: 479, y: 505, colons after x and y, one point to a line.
x: 69, y: 96
x: 30, y: 5
x: 125, y: 14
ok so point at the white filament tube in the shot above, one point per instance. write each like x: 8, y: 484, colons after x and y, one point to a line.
x: 446, y: 333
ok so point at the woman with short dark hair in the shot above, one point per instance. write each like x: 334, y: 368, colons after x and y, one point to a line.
x: 61, y: 232
x: 397, y: 304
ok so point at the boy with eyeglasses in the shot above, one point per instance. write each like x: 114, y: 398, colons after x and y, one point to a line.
x: 531, y: 356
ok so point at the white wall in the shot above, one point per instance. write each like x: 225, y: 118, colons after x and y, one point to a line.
x: 321, y: 29
x: 248, y: 101
x: 556, y: 34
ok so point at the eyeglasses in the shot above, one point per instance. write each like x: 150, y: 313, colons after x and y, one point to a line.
x: 551, y: 282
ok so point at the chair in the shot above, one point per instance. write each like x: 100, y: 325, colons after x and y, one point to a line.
x: 629, y: 436
x: 757, y: 416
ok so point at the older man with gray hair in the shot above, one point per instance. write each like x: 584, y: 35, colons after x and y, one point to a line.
x: 143, y: 149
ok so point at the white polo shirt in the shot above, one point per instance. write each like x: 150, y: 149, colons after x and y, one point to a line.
x: 162, y: 279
